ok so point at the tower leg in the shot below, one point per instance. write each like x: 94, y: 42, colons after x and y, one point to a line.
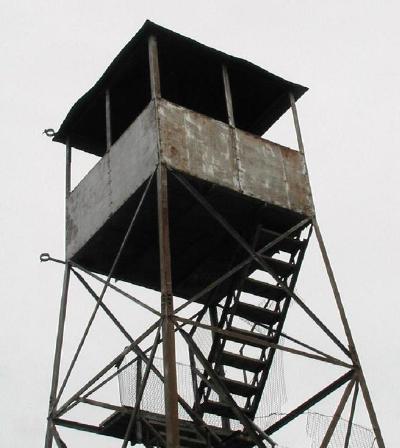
x: 62, y: 313
x: 57, y: 355
x: 338, y: 299
x: 363, y: 384
x: 168, y: 334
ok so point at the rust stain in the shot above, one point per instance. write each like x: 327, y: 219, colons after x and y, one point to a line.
x: 208, y: 149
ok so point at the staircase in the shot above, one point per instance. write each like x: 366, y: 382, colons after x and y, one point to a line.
x: 263, y: 307
x: 236, y: 364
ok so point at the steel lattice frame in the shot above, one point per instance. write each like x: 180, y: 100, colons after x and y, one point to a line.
x: 171, y: 322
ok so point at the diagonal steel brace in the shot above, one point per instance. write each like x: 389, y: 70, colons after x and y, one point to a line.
x: 259, y: 260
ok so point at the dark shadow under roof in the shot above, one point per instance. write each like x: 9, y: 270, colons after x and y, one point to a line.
x: 190, y: 75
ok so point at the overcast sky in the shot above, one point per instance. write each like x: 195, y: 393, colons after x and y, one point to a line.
x: 346, y: 52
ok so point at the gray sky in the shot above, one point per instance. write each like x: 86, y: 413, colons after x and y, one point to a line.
x: 346, y: 52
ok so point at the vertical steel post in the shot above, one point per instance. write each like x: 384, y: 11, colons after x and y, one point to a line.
x: 231, y: 121
x: 154, y: 69
x: 108, y: 120
x: 296, y: 123
x: 68, y: 162
x: 228, y: 96
x: 167, y: 307
x: 338, y: 299
x: 62, y: 315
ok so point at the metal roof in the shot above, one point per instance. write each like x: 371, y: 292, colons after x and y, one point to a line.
x: 190, y: 75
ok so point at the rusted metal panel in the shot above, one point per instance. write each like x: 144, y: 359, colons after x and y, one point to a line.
x: 197, y: 145
x: 205, y: 148
x: 112, y: 181
x: 299, y: 190
x: 273, y: 173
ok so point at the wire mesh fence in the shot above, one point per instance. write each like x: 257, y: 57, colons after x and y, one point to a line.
x: 317, y: 425
x: 273, y: 398
x: 270, y: 408
x: 269, y: 411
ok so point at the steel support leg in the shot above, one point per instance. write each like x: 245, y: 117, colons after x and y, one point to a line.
x: 338, y: 299
x: 167, y: 310
x: 352, y: 347
x: 57, y: 355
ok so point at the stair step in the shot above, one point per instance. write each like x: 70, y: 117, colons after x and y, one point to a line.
x: 241, y: 362
x: 256, y: 314
x: 218, y: 408
x: 239, y: 388
x: 289, y: 245
x: 280, y: 268
x: 238, y: 332
x: 263, y: 289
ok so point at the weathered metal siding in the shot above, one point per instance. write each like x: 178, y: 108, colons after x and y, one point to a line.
x: 194, y: 144
x: 112, y: 181
x: 273, y: 173
x: 211, y: 150
x: 197, y: 145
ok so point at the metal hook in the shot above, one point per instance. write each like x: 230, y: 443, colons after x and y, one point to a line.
x: 47, y: 257
x: 44, y: 257
x: 49, y: 132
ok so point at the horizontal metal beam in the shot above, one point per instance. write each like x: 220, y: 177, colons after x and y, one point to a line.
x: 253, y: 339
x: 102, y: 404
x: 47, y: 257
x: 115, y: 288
x: 76, y: 425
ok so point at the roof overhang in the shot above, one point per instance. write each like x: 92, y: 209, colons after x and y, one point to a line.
x: 190, y: 75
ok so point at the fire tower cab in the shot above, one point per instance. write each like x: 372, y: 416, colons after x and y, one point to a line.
x: 205, y: 122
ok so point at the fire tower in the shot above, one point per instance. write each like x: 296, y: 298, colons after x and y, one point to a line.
x: 189, y: 200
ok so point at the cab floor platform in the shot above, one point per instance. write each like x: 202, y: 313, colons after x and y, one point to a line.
x: 152, y: 428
